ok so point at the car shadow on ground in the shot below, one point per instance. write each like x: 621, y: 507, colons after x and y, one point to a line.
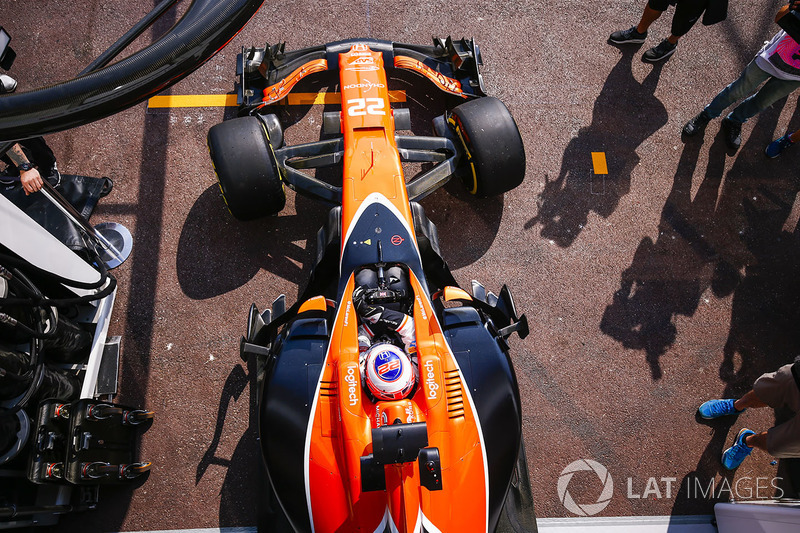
x: 239, y: 497
x: 218, y: 254
x: 566, y: 201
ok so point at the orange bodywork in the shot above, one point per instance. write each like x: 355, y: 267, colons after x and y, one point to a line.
x: 371, y: 161
x: 276, y: 92
x: 343, y: 415
x: 448, y: 85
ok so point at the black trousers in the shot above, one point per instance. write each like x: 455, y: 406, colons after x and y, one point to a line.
x: 687, y: 12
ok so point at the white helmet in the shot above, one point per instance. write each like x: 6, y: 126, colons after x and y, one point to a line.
x: 389, y: 373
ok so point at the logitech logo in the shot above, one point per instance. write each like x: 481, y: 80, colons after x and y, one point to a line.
x: 585, y: 509
x: 352, y: 384
x: 430, y: 380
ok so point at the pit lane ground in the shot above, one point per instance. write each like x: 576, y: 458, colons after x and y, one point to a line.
x: 669, y: 280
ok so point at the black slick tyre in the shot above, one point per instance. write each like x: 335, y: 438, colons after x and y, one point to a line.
x: 246, y: 168
x: 494, y: 159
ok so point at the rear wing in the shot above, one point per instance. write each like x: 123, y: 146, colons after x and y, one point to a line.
x: 266, y: 75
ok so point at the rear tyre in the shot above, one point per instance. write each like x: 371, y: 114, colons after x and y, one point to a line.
x: 518, y: 514
x: 494, y: 160
x: 246, y: 168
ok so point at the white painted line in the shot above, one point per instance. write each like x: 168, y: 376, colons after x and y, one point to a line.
x: 629, y: 524
x: 615, y: 524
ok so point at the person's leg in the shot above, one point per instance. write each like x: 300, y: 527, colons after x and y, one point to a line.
x: 748, y: 400
x: 757, y: 440
x: 750, y: 78
x: 783, y: 440
x: 771, y: 92
x: 717, y: 408
x: 648, y: 17
x: 686, y: 14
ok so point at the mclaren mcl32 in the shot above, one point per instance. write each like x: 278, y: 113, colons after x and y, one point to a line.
x: 389, y: 400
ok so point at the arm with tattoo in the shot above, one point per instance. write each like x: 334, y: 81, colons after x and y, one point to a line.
x: 31, y: 180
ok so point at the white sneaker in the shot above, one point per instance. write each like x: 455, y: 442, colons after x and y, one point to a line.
x: 7, y: 84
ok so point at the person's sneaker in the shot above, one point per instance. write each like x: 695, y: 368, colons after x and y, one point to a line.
x: 733, y: 456
x: 697, y: 124
x: 733, y: 133
x: 661, y: 51
x: 778, y: 145
x: 718, y: 408
x: 629, y: 36
x: 7, y: 84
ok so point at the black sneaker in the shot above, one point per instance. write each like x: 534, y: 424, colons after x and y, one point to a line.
x: 697, y: 124
x: 629, y: 36
x: 733, y: 133
x: 659, y: 52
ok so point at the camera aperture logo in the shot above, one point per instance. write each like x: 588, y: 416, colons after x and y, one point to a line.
x: 585, y: 509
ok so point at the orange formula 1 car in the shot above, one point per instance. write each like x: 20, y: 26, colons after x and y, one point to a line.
x: 389, y: 400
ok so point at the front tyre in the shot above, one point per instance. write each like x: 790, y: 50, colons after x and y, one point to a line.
x: 494, y: 160
x: 246, y: 168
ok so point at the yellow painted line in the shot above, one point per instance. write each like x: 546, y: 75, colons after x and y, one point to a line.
x: 192, y: 100
x: 229, y: 100
x: 599, y: 163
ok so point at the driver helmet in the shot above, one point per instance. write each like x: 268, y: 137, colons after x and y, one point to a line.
x: 389, y: 373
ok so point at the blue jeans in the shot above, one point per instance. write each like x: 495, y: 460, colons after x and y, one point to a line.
x: 752, y: 76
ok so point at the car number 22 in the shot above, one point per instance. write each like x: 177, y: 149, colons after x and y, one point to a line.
x: 358, y: 107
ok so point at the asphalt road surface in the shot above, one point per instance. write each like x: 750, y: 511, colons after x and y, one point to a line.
x: 669, y: 280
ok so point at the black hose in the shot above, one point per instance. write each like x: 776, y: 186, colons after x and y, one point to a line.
x: 107, y: 281
x: 38, y: 366
x: 205, y: 28
x: 112, y: 284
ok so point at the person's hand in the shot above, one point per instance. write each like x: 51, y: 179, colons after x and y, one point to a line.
x: 31, y: 180
x: 364, y: 309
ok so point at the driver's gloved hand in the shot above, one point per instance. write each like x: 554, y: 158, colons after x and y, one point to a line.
x: 367, y: 311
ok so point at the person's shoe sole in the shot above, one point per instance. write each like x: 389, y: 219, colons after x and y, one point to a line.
x: 627, y: 41
x: 659, y: 58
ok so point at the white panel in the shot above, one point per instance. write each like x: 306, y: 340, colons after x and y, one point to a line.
x: 764, y: 517
x: 23, y: 236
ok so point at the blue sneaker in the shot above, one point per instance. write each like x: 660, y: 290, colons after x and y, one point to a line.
x: 718, y: 408
x: 778, y: 145
x: 733, y: 456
